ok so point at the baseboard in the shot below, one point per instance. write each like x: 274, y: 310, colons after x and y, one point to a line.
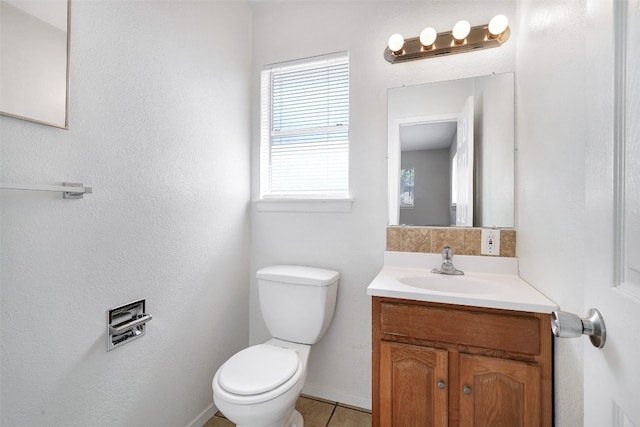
x: 204, y: 416
x: 337, y: 396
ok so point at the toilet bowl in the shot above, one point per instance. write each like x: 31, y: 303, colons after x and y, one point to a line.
x: 259, y: 386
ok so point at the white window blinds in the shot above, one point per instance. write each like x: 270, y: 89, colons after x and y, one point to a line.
x: 305, y: 128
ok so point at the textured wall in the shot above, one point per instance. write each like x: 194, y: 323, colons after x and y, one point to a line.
x: 159, y: 126
x: 352, y: 243
x: 551, y: 90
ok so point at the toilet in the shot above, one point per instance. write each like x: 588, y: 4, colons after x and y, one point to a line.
x: 259, y: 386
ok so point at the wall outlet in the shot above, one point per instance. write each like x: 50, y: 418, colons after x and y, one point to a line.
x: 490, y: 242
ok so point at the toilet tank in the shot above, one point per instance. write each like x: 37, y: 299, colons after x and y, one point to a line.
x: 297, y: 302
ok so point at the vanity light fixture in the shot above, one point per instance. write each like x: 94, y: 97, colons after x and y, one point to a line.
x: 462, y: 38
x: 497, y: 25
x: 428, y: 36
x: 460, y: 31
x: 395, y: 44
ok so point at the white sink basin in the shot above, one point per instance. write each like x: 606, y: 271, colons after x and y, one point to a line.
x: 451, y: 284
x: 491, y: 282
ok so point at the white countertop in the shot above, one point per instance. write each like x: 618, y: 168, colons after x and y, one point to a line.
x: 496, y: 278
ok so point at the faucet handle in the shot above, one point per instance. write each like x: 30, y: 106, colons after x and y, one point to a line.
x: 447, y: 265
x: 447, y: 253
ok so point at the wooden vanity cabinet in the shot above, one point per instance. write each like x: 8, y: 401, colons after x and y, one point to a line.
x: 439, y: 365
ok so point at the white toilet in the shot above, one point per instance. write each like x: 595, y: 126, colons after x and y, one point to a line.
x: 259, y: 386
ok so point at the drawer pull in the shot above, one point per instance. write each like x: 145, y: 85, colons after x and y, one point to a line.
x: 441, y: 385
x: 467, y: 389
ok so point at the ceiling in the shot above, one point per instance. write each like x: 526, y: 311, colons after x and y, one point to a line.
x: 53, y: 12
x: 427, y: 136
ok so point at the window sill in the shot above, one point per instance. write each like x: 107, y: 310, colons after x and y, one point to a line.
x: 304, y: 205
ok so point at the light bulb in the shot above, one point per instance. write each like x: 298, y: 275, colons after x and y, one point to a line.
x: 428, y: 36
x: 461, y: 30
x: 396, y: 42
x: 498, y: 25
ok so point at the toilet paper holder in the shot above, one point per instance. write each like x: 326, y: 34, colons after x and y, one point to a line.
x: 569, y: 325
x: 126, y: 323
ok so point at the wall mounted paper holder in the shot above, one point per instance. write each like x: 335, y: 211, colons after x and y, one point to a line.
x: 126, y: 323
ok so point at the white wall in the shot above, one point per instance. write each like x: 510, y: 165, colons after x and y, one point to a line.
x: 159, y: 126
x: 352, y: 243
x: 551, y: 90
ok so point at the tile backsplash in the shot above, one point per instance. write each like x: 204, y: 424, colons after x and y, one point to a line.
x: 463, y: 241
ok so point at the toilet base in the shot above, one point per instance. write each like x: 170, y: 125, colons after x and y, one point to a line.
x: 293, y: 420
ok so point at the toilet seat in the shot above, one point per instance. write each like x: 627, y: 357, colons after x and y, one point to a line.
x: 258, y: 369
x: 258, y: 373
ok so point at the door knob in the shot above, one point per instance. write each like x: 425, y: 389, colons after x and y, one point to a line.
x: 569, y: 325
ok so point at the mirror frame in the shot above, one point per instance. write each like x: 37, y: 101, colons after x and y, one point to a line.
x: 64, y: 125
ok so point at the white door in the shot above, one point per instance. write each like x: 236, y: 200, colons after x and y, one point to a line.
x: 464, y: 172
x: 612, y: 267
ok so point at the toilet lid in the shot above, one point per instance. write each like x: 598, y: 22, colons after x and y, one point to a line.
x: 258, y: 369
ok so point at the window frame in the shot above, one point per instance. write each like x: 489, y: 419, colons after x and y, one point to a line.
x: 298, y: 201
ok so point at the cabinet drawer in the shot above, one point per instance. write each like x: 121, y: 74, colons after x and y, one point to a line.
x: 518, y: 333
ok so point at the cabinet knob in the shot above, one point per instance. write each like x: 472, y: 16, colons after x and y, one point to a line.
x: 466, y: 389
x: 441, y: 384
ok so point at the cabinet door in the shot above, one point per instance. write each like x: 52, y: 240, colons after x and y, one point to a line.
x: 413, y: 386
x: 499, y: 393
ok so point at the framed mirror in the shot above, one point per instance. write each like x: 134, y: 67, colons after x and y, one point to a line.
x: 34, y: 60
x: 455, y: 140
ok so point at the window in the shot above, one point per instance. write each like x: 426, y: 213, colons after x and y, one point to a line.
x: 304, y: 141
x: 407, y: 184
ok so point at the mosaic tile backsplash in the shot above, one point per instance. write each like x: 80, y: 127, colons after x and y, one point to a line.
x: 463, y: 241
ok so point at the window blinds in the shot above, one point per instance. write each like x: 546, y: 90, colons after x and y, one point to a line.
x: 305, y: 128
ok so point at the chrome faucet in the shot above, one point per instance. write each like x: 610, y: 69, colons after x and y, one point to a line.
x: 447, y: 263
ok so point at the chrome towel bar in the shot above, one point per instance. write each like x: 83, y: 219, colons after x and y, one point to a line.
x: 69, y: 190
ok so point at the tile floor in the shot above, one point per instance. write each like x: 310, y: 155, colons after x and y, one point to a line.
x: 316, y: 413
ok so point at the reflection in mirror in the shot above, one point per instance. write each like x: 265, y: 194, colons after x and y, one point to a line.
x: 426, y: 151
x: 457, y: 138
x: 34, y: 62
